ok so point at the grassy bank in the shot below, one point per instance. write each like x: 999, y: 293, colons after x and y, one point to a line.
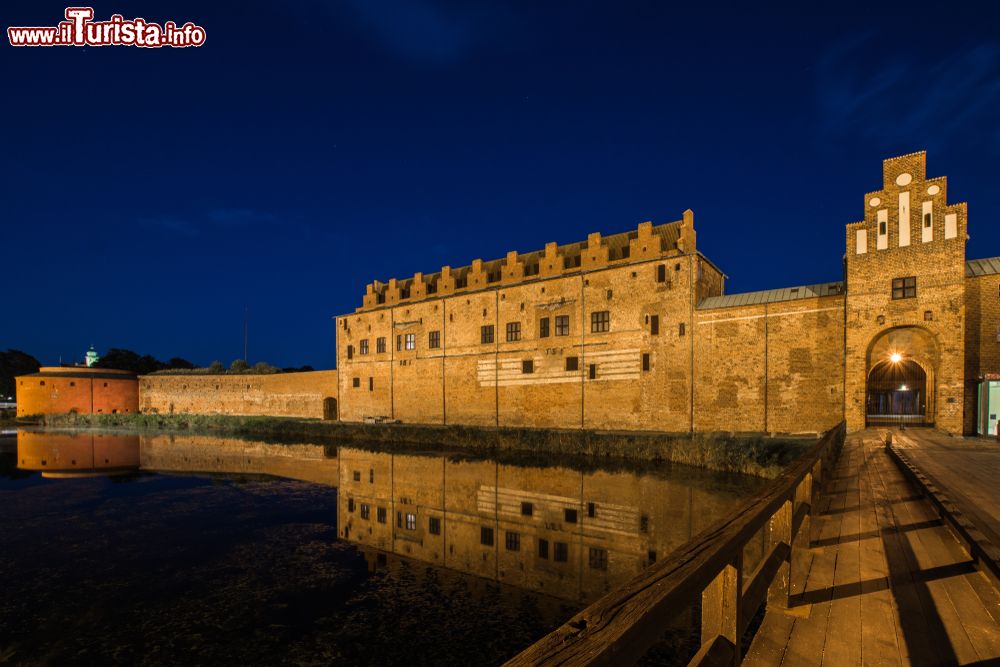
x: 749, y: 454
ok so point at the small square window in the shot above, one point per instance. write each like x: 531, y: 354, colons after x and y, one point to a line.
x: 570, y: 515
x: 904, y: 288
x: 572, y: 363
x: 357, y: 475
x: 486, y: 333
x: 600, y: 321
x: 527, y: 366
x: 527, y: 509
x: 486, y: 536
x: 356, y: 382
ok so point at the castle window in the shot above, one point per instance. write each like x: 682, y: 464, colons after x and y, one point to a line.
x: 572, y: 262
x: 350, y: 351
x: 461, y: 283
x: 41, y: 383
x: 434, y: 340
x: 928, y: 220
x: 432, y: 288
x: 486, y: 536
x: 562, y: 325
x: 543, y: 327
x: 513, y: 331
x: 527, y: 366
x: 591, y: 510
x: 363, y: 346
x: 882, y: 228
x: 569, y: 515
x: 404, y: 293
x: 357, y: 475
x: 380, y: 345
x: 512, y: 541
x: 598, y: 558
x: 600, y: 321
x: 572, y: 363
x: 350, y: 504
x: 904, y: 288
x: 645, y: 361
x: 72, y: 384
x: 434, y: 525
x: 527, y: 509
x: 380, y: 514
x: 560, y: 552
x: 531, y: 270
x: 928, y: 316
x: 644, y: 524
x: 371, y: 383
x: 654, y: 325
x: 411, y: 341
x: 680, y: 329
x: 399, y: 343
x: 356, y: 382
x: 411, y: 521
x: 543, y: 548
x: 593, y: 372
x: 493, y: 277
x: 486, y: 334
x: 366, y: 511
x: 651, y: 557
x: 371, y: 475
x: 661, y: 273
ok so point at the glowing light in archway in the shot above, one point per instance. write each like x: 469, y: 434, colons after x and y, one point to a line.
x: 895, y: 357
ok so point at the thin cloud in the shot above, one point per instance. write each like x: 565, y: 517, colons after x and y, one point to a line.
x: 893, y: 100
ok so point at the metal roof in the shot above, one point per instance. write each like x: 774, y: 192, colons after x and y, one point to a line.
x: 773, y: 295
x: 982, y: 267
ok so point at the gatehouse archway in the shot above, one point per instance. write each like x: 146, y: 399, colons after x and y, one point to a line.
x: 900, y: 384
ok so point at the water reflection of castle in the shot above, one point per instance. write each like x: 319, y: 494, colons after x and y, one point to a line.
x: 558, y: 531
x: 562, y: 532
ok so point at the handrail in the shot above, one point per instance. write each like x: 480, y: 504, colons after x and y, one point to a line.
x: 621, y: 626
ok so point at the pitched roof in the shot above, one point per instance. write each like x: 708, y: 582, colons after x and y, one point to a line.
x: 773, y: 295
x: 982, y: 267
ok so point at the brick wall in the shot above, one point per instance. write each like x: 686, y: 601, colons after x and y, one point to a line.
x: 279, y: 394
x: 63, y: 389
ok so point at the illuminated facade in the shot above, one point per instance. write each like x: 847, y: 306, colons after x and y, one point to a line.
x: 635, y: 331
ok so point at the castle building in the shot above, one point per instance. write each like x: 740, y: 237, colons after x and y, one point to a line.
x: 635, y: 332
x: 61, y: 389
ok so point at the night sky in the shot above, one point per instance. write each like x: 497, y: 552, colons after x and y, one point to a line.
x: 148, y: 196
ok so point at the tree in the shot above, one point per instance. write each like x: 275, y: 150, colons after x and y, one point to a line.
x: 177, y: 362
x: 217, y: 367
x: 127, y: 360
x: 14, y: 363
x: 238, y: 366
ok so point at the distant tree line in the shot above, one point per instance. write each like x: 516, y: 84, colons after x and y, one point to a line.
x: 12, y: 364
x: 128, y: 360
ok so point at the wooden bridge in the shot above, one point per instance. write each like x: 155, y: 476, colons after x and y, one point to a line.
x: 868, y: 560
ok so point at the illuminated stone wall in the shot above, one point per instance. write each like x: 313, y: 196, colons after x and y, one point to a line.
x: 278, y: 394
x: 59, y: 389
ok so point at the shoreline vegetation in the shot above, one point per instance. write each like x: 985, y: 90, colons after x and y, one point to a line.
x: 750, y: 454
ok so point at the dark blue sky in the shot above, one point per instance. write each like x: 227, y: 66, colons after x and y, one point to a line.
x: 147, y: 196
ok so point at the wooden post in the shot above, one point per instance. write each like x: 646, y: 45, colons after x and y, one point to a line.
x: 781, y: 531
x: 721, y: 605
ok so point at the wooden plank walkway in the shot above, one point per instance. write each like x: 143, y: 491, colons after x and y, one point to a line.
x: 883, y: 581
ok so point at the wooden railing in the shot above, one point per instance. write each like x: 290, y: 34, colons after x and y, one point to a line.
x: 621, y: 626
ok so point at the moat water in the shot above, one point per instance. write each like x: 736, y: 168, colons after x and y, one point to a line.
x: 190, y: 549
